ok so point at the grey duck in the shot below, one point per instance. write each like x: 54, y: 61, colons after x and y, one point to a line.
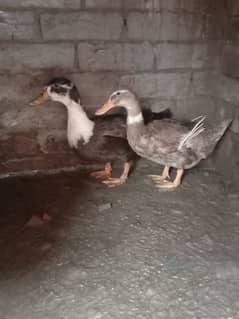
x: 168, y: 142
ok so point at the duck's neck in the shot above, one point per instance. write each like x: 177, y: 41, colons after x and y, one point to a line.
x: 79, y: 126
x: 135, y: 123
x: 135, y: 116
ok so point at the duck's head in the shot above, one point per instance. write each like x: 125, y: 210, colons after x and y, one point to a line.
x: 123, y: 98
x: 60, y: 90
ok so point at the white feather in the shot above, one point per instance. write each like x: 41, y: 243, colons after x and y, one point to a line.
x: 135, y: 119
x: 196, y: 130
x: 67, y: 86
x: 79, y: 126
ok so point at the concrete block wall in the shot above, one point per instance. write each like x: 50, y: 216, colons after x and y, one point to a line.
x: 230, y: 58
x: 161, y: 49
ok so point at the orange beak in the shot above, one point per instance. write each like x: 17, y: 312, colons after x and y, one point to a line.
x: 41, y: 98
x: 105, y: 108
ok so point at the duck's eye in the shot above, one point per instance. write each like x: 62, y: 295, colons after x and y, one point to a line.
x: 56, y: 88
x: 118, y: 93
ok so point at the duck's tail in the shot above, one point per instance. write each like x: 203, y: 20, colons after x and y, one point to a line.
x: 150, y: 116
x: 197, y: 129
x: 214, y: 135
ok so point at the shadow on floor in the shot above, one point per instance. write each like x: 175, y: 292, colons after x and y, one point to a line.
x: 61, y: 197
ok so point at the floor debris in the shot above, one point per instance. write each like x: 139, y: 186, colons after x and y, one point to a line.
x: 104, y: 207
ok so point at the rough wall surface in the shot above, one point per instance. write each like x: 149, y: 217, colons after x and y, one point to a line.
x: 166, y: 51
x: 230, y: 58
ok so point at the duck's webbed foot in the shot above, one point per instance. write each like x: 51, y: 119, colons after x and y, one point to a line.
x: 174, y: 184
x: 113, y: 182
x: 106, y: 173
x: 160, y: 178
x: 167, y: 185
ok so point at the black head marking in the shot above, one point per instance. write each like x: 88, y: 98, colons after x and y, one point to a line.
x: 60, y: 81
x: 58, y: 89
x: 74, y: 94
x: 63, y: 86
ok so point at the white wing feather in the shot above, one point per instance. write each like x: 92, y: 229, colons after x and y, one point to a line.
x: 195, y: 131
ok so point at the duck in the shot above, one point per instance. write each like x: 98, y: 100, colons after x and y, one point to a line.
x: 99, y: 140
x: 169, y: 142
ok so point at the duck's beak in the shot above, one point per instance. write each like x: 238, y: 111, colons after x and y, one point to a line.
x: 41, y: 98
x: 105, y: 108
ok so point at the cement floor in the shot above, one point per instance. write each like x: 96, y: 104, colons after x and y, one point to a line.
x: 130, y: 252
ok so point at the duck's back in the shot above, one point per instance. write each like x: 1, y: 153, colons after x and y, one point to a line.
x: 108, y: 142
x: 158, y: 137
x: 168, y: 131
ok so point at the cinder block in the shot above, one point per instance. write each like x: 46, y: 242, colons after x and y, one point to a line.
x: 115, y: 57
x: 25, y: 145
x: 202, y: 83
x: 178, y: 27
x: 41, y: 4
x: 170, y: 56
x: 189, y: 108
x: 197, y: 6
x: 143, y: 5
x: 144, y: 27
x: 170, y: 27
x: 94, y: 88
x: 70, y: 26
x: 16, y: 17
x: 198, y: 55
x: 190, y: 27
x: 169, y: 5
x: 39, y: 56
x: 207, y: 55
x: 172, y: 4
x: 18, y: 26
x: 214, y: 83
x: 185, y: 5
x: 230, y: 60
x: 163, y: 85
x: 103, y: 4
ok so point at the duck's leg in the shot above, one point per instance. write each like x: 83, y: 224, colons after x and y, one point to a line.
x: 160, y: 178
x: 175, y: 183
x: 113, y: 182
x: 106, y: 173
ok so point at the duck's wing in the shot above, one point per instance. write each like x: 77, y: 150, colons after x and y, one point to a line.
x: 115, y: 124
x: 112, y: 125
x: 164, y: 135
x: 115, y: 149
x: 197, y: 129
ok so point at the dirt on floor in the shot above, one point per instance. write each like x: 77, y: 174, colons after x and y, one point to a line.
x: 128, y: 252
